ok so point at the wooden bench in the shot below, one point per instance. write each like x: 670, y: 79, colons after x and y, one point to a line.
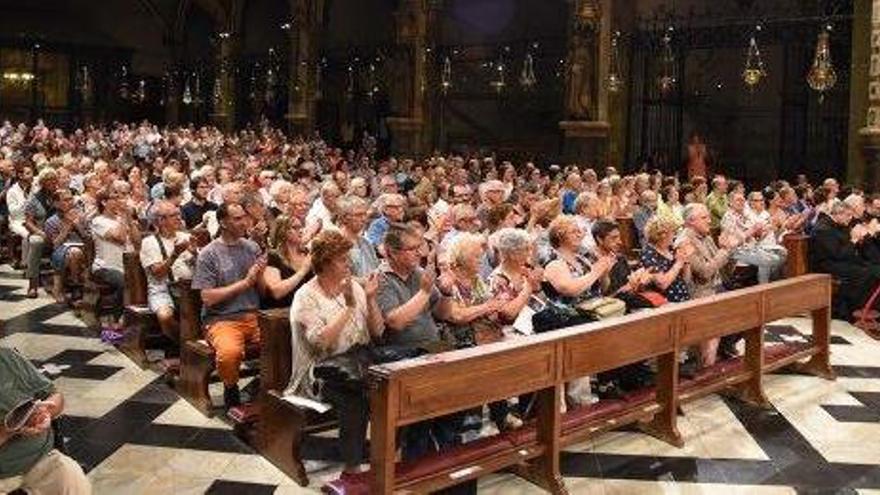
x: 97, y: 296
x: 798, y: 261
x: 629, y: 236
x: 139, y: 319
x: 416, y: 390
x: 281, y: 424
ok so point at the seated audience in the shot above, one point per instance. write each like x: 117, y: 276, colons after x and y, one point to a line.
x: 67, y: 230
x: 757, y: 245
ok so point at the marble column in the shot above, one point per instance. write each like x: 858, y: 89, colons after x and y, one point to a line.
x: 408, y: 81
x: 585, y: 126
x: 223, y: 114
x: 870, y: 134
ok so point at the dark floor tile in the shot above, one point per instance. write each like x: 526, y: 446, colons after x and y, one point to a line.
x: 857, y: 371
x: 156, y: 393
x: 687, y: 469
x: 321, y: 449
x: 172, y: 436
x: 89, y: 453
x: 89, y: 371
x: 852, y: 414
x: 809, y: 473
x: 579, y: 465
x: 134, y: 411
x: 838, y: 340
x: 745, y: 472
x: 218, y: 441
x: 222, y: 487
x: 113, y: 430
x: 627, y: 466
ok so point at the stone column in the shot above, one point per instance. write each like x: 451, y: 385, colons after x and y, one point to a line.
x: 870, y: 134
x: 585, y: 125
x: 301, y: 106
x: 408, y: 80
x: 223, y: 114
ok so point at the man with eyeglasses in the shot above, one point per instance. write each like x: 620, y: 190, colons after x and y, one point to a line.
x: 167, y: 256
x: 409, y: 301
x: 392, y: 208
x: 749, y: 233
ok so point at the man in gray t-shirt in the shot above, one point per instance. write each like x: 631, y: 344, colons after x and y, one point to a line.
x: 228, y: 271
x: 407, y: 295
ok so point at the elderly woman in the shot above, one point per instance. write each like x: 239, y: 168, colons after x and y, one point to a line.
x: 352, y: 214
x: 513, y: 280
x: 571, y: 278
x: 670, y: 267
x: 115, y: 232
x: 289, y: 264
x: 474, y: 316
x: 330, y: 315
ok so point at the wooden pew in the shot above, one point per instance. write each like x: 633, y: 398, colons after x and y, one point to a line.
x: 139, y: 320
x: 798, y: 262
x: 628, y: 236
x: 281, y: 424
x: 412, y: 391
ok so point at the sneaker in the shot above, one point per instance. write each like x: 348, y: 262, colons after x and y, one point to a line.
x: 231, y: 396
x: 511, y: 422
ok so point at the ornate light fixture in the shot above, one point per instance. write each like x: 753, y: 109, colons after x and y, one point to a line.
x: 527, y: 77
x: 615, y: 79
x: 271, y: 78
x: 141, y: 93
x: 123, y: 83
x: 84, y: 84
x: 446, y: 76
x: 667, y: 79
x: 754, y: 71
x: 499, y: 82
x: 822, y: 76
x: 187, y: 93
x: 372, y: 87
x: 349, y: 89
x: 197, y: 99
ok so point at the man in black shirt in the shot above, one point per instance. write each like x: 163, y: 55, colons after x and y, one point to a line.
x: 194, y: 210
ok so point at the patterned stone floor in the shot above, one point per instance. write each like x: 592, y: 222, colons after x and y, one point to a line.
x: 134, y: 435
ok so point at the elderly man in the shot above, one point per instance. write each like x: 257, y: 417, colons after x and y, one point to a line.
x: 492, y: 193
x: 409, y: 301
x: 67, y: 230
x: 228, y: 272
x: 716, y: 201
x: 391, y: 208
x: 28, y: 461
x: 754, y: 246
x: 833, y: 250
x: 324, y: 207
x: 39, y: 207
x: 167, y: 256
x: 710, y: 265
x: 645, y: 212
x: 16, y: 198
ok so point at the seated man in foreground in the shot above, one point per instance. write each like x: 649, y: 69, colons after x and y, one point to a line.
x: 28, y: 460
x: 227, y: 273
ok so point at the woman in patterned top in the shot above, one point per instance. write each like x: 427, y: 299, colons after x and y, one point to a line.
x: 671, y: 269
x: 330, y: 314
x: 571, y: 278
x: 513, y: 280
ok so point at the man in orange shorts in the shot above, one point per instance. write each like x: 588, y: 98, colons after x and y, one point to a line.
x: 228, y: 272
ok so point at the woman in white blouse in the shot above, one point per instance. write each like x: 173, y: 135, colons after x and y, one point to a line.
x: 331, y: 314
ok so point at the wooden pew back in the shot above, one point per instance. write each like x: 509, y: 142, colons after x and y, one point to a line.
x: 416, y: 390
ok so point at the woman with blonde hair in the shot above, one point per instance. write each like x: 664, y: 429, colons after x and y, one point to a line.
x: 289, y: 265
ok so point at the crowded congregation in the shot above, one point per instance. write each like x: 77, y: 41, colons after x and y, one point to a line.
x: 354, y: 283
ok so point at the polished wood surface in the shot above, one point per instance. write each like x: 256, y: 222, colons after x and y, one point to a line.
x: 798, y: 261
x: 135, y: 292
x: 418, y: 389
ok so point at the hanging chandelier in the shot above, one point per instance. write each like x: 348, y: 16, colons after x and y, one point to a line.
x: 372, y: 87
x: 271, y: 79
x: 349, y: 89
x: 141, y: 93
x: 499, y: 82
x: 187, y: 93
x: 123, y: 83
x: 822, y: 76
x: 446, y: 76
x: 197, y: 99
x: 84, y: 83
x: 615, y: 80
x: 527, y: 77
x: 754, y: 71
x: 667, y: 80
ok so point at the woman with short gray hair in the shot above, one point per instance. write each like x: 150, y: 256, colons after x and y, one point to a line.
x: 352, y: 216
x: 513, y: 280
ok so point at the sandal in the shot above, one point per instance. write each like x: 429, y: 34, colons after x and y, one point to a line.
x: 32, y: 293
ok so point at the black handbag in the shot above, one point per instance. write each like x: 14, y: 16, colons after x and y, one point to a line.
x: 556, y: 316
x: 351, y: 366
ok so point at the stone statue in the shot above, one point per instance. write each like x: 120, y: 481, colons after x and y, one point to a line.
x: 582, y: 62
